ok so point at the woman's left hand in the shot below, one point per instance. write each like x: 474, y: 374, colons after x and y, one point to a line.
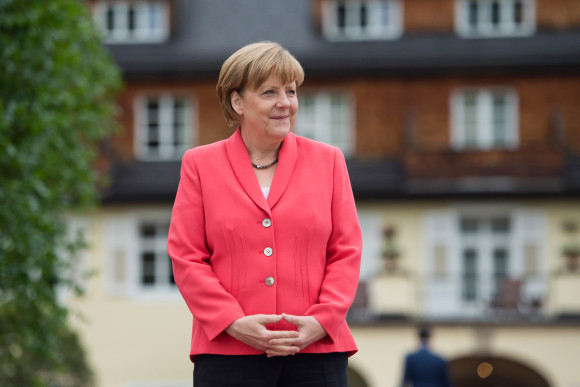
x: 309, y: 330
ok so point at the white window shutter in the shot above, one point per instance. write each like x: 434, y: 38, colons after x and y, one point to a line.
x: 529, y: 247
x: 117, y: 263
x: 371, y: 263
x: 440, y: 265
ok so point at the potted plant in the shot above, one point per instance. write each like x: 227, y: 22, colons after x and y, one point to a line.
x: 390, y: 252
x: 571, y: 253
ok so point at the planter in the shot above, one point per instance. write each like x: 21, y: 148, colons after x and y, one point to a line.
x: 572, y: 261
x: 391, y: 262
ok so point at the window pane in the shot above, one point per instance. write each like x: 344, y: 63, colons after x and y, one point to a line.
x: 340, y: 16
x: 469, y: 292
x: 131, y: 16
x: 154, y: 11
x: 500, y: 268
x: 148, y: 268
x: 306, y: 117
x: 363, y: 15
x: 171, y: 277
x: 500, y: 225
x: 469, y: 225
x: 385, y: 13
x: 148, y: 230
x: 518, y: 12
x: 110, y: 16
x: 472, y: 11
x: 338, y: 120
x: 152, y: 125
x: 470, y: 119
x: 178, y: 122
x: 153, y: 111
x: 495, y: 13
x: 499, y: 119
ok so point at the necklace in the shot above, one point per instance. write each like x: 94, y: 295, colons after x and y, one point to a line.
x: 265, y: 166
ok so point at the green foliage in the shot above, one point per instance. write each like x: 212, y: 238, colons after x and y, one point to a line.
x: 57, y: 87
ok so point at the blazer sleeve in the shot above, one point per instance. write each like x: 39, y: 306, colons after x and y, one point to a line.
x: 211, y: 305
x: 343, y: 255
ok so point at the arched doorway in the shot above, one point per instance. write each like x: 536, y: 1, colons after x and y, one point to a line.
x: 355, y: 379
x: 493, y: 371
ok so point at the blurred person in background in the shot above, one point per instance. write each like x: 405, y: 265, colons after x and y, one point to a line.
x: 265, y: 239
x: 423, y: 368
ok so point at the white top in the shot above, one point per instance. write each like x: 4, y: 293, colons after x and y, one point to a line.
x: 265, y: 191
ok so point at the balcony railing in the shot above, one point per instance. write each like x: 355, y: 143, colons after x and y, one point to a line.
x: 457, y: 297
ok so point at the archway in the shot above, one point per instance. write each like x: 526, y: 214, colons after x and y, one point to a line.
x: 355, y: 379
x: 493, y: 371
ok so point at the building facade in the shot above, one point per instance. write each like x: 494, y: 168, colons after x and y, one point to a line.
x: 459, y: 120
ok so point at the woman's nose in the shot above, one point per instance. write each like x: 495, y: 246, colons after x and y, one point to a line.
x: 283, y: 100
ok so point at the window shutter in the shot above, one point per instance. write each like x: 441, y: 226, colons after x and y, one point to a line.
x: 120, y: 239
x: 530, y: 263
x: 371, y: 252
x: 440, y: 265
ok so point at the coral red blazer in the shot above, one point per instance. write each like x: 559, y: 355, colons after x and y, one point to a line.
x: 235, y: 253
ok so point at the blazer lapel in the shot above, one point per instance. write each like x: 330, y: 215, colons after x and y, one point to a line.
x: 242, y: 166
x: 284, y: 170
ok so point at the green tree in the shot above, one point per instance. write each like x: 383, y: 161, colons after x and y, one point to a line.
x: 57, y: 88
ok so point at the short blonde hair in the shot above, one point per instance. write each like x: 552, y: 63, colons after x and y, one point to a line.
x: 250, y: 66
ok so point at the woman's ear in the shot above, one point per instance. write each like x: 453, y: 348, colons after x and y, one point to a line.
x: 236, y: 102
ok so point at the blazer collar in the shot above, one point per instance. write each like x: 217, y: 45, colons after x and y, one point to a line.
x: 242, y: 166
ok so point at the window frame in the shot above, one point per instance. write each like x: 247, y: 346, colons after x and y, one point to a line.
x: 168, y: 150
x: 122, y: 263
x: 485, y: 138
x: 354, y: 32
x: 158, y: 246
x: 322, y: 118
x: 484, y: 28
x: 443, y: 296
x: 141, y: 34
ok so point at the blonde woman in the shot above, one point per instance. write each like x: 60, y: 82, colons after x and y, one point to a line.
x: 265, y: 239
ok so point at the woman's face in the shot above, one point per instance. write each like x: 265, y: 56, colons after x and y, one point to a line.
x: 267, y: 112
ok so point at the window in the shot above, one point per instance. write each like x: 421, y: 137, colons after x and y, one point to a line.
x: 362, y: 20
x: 137, y: 264
x: 155, y: 268
x: 484, y: 119
x: 485, y: 248
x: 135, y: 21
x: 327, y: 117
x: 164, y: 127
x: 485, y: 252
x: 495, y: 18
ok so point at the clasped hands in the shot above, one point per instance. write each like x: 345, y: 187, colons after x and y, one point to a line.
x: 252, y: 331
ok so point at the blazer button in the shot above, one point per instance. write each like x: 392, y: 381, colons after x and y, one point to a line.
x: 268, y: 251
x: 269, y: 281
x: 266, y: 222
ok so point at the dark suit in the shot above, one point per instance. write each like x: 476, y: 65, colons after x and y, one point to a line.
x: 425, y: 369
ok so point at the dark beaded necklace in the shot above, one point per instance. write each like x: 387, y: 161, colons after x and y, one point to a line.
x: 265, y: 166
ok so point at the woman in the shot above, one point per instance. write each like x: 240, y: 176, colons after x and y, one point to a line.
x: 265, y: 239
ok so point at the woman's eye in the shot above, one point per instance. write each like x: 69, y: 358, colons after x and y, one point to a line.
x: 291, y: 92
x: 269, y: 92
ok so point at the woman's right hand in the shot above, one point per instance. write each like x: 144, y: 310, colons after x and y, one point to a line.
x: 251, y: 330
